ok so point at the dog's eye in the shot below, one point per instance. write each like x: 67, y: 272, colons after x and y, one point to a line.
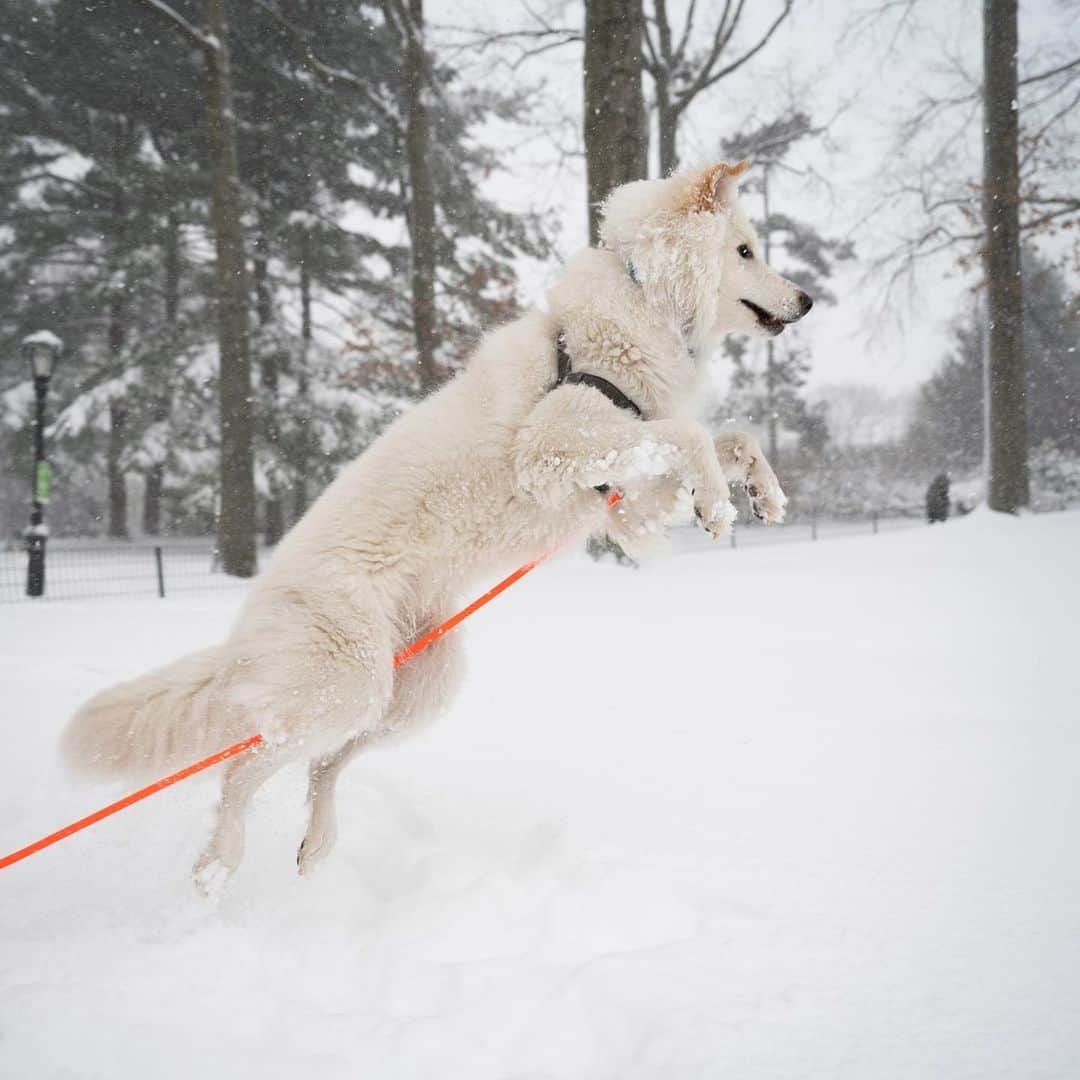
x: 744, y: 251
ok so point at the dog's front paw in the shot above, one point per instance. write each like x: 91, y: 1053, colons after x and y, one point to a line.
x: 766, y: 502
x: 741, y: 458
x: 715, y: 512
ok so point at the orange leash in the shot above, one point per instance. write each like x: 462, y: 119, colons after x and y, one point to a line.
x: 406, y: 654
x: 128, y: 800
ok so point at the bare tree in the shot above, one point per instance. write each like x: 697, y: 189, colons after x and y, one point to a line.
x: 1005, y: 373
x: 939, y: 192
x: 680, y: 74
x: 616, y: 137
x: 1027, y: 189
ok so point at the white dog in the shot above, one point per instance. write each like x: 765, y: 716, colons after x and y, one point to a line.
x: 493, y: 469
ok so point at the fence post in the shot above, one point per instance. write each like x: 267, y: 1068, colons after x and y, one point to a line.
x: 813, y: 524
x: 874, y: 518
x: 160, y: 571
x: 733, y: 537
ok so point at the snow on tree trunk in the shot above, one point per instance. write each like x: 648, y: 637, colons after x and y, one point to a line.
x: 1005, y: 371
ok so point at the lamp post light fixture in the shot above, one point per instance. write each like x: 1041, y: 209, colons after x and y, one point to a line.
x: 40, y: 351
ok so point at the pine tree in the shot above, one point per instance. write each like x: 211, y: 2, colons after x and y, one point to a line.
x: 948, y: 428
x: 87, y: 191
x: 115, y: 252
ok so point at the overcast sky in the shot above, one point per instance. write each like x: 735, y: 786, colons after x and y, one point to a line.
x: 866, y: 80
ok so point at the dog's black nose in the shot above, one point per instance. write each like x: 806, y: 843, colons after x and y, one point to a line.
x: 806, y: 303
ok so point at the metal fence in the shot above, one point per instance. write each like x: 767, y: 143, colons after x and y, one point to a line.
x: 751, y: 534
x: 88, y: 569
x: 814, y: 528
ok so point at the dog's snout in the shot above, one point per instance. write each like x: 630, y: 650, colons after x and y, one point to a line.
x: 805, y: 303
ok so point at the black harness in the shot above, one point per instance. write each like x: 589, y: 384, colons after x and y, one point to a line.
x: 608, y: 389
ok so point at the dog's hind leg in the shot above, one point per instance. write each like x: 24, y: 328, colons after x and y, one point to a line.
x: 226, y: 846
x: 321, y: 834
x: 315, y: 686
x: 422, y: 687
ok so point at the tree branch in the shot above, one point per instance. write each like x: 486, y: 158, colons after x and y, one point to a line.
x: 326, y: 71
x: 706, y: 77
x: 654, y: 62
x: 680, y: 49
x: 1051, y: 73
x: 205, y: 41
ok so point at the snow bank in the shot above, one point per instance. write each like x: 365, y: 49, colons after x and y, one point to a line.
x: 801, y: 810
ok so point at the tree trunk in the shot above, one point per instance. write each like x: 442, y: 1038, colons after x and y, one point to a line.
x: 303, y: 389
x: 155, y: 475
x: 273, y: 511
x: 154, y: 485
x: 667, y: 117
x: 616, y: 133
x: 421, y: 197
x: 770, y: 345
x: 616, y: 136
x: 1006, y: 376
x: 118, y: 528
x: 668, y: 124
x: 236, y: 523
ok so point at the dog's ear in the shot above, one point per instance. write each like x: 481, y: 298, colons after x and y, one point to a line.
x: 718, y: 185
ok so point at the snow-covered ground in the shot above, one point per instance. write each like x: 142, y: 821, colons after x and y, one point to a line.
x: 808, y: 811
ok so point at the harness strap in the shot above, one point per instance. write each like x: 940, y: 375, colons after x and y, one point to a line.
x: 608, y: 389
x: 585, y: 378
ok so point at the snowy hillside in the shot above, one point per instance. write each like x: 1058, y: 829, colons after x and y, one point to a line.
x: 797, y: 810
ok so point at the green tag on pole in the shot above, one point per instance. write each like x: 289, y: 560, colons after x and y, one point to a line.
x: 42, y: 482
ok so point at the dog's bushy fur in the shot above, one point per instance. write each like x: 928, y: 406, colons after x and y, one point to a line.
x: 493, y: 469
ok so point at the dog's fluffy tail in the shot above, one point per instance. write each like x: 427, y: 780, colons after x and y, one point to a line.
x: 159, y: 721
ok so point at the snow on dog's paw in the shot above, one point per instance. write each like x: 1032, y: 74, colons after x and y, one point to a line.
x: 717, y: 515
x: 211, y: 877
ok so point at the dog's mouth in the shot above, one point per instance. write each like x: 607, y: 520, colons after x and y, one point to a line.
x: 769, y: 323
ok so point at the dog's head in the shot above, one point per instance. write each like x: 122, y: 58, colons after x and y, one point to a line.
x: 697, y: 256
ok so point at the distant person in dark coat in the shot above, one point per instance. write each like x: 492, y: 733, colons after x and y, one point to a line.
x: 937, y: 499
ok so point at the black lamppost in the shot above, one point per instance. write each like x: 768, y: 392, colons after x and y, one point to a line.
x: 40, y: 351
